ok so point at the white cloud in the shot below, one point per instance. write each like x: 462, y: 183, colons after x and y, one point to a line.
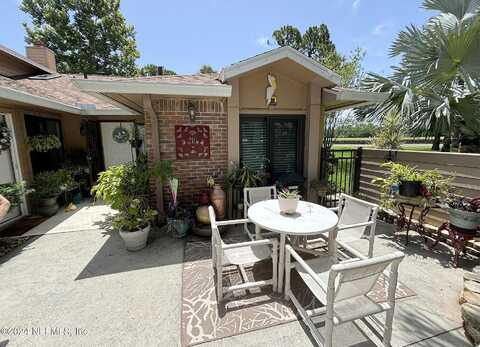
x: 355, y: 5
x: 379, y: 29
x: 263, y: 41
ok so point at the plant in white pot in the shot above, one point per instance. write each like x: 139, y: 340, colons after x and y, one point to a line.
x: 288, y: 201
x: 464, y: 212
x: 125, y: 187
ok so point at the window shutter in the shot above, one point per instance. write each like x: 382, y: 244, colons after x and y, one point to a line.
x: 253, y: 143
x: 284, y: 147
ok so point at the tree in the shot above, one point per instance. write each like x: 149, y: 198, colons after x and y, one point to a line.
x: 86, y: 36
x: 206, y: 69
x: 317, y: 44
x: 152, y: 70
x: 435, y: 87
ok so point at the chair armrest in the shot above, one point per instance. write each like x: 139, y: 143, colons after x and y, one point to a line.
x: 351, y: 226
x: 304, y: 265
x: 232, y: 222
x: 251, y: 244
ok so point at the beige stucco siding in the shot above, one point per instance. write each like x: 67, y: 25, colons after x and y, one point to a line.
x: 294, y: 97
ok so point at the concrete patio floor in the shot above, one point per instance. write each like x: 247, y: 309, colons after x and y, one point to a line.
x: 76, y: 285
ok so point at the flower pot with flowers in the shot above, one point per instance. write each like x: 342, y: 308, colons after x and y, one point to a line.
x: 464, y: 212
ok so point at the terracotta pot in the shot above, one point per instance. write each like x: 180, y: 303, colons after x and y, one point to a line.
x: 217, y: 197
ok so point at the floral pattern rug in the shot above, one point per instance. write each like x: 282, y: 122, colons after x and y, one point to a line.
x: 203, y: 319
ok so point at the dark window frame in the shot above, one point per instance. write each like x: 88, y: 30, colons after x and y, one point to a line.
x: 269, y: 119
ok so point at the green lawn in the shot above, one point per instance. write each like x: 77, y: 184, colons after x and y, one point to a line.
x: 406, y: 147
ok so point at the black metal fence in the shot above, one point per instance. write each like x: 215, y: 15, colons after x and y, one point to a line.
x: 339, y: 173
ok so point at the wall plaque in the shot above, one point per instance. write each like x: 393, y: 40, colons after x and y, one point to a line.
x: 192, y: 141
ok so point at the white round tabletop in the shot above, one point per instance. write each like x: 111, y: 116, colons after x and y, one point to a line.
x: 309, y: 219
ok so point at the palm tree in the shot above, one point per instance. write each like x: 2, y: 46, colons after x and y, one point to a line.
x: 436, y: 86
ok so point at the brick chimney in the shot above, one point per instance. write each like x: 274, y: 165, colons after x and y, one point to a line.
x: 43, y: 56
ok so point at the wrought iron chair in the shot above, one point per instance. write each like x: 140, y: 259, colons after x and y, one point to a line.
x: 240, y: 254
x: 342, y: 289
x: 251, y: 196
x: 355, y: 216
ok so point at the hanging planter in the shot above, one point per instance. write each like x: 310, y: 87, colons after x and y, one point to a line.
x: 5, y: 137
x: 120, y: 134
x: 43, y: 143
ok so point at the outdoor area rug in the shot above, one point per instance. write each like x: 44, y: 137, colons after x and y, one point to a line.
x: 203, y: 319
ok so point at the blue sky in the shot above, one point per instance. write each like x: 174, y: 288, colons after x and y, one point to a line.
x: 182, y: 35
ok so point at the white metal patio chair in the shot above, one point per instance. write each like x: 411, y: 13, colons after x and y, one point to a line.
x: 342, y: 288
x: 357, y: 219
x: 251, y: 196
x: 240, y: 254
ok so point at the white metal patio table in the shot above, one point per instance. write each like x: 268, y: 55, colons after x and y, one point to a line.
x: 310, y: 219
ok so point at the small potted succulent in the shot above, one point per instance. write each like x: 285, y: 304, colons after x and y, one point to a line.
x: 288, y: 201
x: 464, y: 212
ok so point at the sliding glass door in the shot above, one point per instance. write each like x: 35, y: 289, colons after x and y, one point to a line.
x: 273, y: 144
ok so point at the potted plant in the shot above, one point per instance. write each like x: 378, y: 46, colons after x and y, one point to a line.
x: 13, y: 192
x: 43, y: 143
x: 288, y: 201
x: 126, y: 188
x: 178, y: 218
x: 407, y: 181
x: 464, y: 213
x: 5, y: 137
x: 46, y: 188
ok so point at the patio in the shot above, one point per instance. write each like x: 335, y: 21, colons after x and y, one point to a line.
x: 77, y: 285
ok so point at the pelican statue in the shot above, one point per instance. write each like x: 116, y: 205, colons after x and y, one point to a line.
x: 271, y: 88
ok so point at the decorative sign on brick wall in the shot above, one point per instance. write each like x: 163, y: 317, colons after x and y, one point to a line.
x: 192, y: 141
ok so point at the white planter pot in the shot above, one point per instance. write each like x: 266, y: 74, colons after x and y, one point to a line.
x: 135, y: 240
x: 464, y: 219
x: 288, y: 206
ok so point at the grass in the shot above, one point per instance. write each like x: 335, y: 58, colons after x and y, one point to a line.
x: 412, y: 147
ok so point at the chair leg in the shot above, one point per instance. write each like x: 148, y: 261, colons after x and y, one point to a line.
x: 287, y: 274
x: 258, y: 235
x: 387, y: 336
x: 275, y: 266
x: 328, y: 332
x: 219, y: 284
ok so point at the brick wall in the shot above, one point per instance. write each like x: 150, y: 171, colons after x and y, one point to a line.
x: 192, y: 174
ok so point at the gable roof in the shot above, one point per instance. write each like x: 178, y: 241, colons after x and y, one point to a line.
x: 276, y: 55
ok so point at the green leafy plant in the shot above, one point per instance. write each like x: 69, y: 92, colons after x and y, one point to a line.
x: 244, y: 177
x: 14, y: 192
x: 434, y: 185
x: 5, y: 137
x: 289, y: 194
x: 391, y: 132
x: 126, y: 188
x: 47, y: 184
x: 43, y: 143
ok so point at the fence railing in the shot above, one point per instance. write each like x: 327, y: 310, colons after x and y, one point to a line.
x: 340, y: 169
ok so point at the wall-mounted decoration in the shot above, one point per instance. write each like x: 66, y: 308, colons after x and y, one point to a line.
x: 5, y: 136
x: 120, y: 134
x: 270, y: 97
x: 192, y: 142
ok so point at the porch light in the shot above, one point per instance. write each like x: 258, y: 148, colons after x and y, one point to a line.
x: 192, y: 111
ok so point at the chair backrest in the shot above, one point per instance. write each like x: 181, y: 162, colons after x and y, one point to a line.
x: 357, y: 278
x: 353, y: 211
x: 253, y: 195
x: 216, y: 238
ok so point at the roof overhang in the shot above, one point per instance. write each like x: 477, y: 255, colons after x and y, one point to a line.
x: 127, y: 94
x: 26, y: 61
x: 328, y: 77
x: 153, y: 88
x: 10, y: 95
x: 338, y: 99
